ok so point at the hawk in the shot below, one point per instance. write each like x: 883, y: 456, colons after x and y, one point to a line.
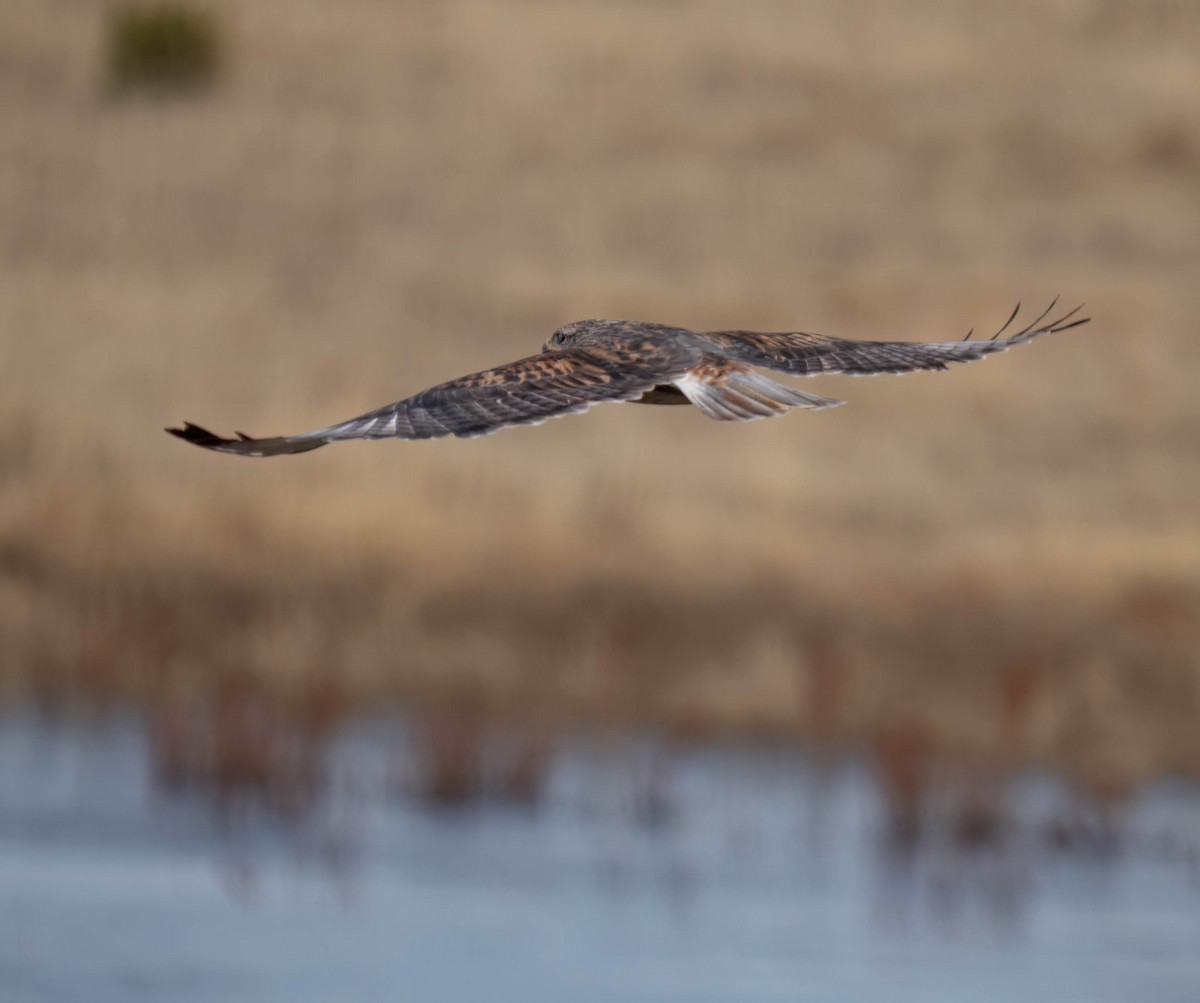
x: 593, y: 361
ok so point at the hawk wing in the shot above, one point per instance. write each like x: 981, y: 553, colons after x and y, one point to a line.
x: 525, y: 392
x: 805, y: 354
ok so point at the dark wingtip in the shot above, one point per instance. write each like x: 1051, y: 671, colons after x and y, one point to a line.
x: 1011, y: 317
x: 1059, y: 328
x: 246, y: 445
x: 197, y: 436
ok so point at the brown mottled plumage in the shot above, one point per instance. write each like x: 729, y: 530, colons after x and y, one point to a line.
x: 592, y: 361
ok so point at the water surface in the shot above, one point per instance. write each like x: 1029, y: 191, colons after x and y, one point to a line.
x: 640, y: 872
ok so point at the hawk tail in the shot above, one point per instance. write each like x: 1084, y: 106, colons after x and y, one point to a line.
x: 727, y: 391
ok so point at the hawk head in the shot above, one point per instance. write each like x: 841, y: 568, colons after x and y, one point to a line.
x: 569, y: 334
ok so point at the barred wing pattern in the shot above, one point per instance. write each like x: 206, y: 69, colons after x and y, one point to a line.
x: 803, y: 354
x: 592, y: 361
x: 525, y: 392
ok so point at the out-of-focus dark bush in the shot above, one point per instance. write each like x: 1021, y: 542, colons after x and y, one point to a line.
x: 164, y: 47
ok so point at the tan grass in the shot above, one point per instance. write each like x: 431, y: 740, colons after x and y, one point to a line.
x: 380, y: 196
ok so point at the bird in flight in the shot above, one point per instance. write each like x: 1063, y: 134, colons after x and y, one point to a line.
x: 593, y: 361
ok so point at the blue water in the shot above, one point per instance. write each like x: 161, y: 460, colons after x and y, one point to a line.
x: 736, y: 874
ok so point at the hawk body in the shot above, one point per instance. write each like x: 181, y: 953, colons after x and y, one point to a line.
x: 595, y: 361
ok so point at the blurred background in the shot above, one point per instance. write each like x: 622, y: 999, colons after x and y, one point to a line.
x: 897, y: 699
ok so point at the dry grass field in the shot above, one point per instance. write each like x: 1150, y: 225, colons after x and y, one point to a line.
x: 379, y: 196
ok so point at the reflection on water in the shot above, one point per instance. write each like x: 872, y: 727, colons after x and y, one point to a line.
x: 244, y: 855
